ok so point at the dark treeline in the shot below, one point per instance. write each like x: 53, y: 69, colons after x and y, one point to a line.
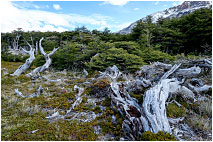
x: 95, y: 50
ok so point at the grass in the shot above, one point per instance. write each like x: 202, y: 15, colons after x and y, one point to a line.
x: 205, y: 108
x: 199, y: 122
x: 21, y: 116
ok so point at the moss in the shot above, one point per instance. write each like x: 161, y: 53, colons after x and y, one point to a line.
x: 173, y: 110
x: 102, y: 83
x: 7, y: 80
x: 106, y: 102
x: 160, y: 136
x: 88, y: 91
x: 97, y: 110
x: 97, y: 86
x: 139, y: 97
x: 60, y: 130
x: 194, y: 106
x: 106, y: 124
x: 84, y: 99
x: 22, y: 78
x: 59, y: 101
x: 82, y: 107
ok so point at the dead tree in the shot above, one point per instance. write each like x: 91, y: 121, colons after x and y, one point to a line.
x: 151, y: 114
x: 48, y: 62
x: 15, y: 42
x: 27, y: 63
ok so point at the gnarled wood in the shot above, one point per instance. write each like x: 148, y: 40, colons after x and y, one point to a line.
x: 27, y: 63
x: 47, y: 58
x: 151, y: 114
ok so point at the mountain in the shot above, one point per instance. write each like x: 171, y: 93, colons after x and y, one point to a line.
x: 173, y: 12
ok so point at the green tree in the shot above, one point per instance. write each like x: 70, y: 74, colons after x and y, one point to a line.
x: 115, y: 56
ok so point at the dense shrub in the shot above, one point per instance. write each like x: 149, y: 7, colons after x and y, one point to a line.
x: 39, y: 61
x: 130, y: 46
x: 6, y: 56
x: 116, y: 56
x: 150, y: 55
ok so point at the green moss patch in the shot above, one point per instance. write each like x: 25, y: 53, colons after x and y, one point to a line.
x: 160, y: 136
x: 174, y: 111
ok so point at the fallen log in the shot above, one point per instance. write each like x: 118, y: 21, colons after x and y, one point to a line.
x: 37, y: 93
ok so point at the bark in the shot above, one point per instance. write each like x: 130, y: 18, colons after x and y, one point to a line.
x: 28, y: 62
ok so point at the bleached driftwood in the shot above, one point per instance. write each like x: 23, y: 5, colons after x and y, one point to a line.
x: 172, y: 70
x: 189, y: 72
x: 197, y: 85
x: 27, y: 63
x: 37, y: 93
x: 51, y: 80
x: 78, y: 98
x: 113, y: 72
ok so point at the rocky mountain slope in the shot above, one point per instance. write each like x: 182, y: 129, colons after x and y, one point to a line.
x: 176, y: 11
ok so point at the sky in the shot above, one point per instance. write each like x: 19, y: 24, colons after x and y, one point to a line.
x: 67, y: 15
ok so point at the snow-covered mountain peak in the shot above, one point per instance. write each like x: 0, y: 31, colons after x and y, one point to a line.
x: 174, y: 12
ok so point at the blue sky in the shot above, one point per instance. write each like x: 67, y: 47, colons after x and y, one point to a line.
x: 67, y: 15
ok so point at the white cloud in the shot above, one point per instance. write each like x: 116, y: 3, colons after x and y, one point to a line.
x: 118, y: 27
x: 56, y: 6
x: 36, y: 6
x: 116, y: 2
x: 39, y: 20
x: 165, y: 5
x: 136, y: 9
x: 156, y: 3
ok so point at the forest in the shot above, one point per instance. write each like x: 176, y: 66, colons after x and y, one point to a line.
x: 99, y: 85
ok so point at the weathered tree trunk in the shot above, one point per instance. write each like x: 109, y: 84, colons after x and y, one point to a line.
x: 47, y: 58
x: 27, y: 63
x: 15, y: 43
x: 151, y: 114
x: 36, y: 48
